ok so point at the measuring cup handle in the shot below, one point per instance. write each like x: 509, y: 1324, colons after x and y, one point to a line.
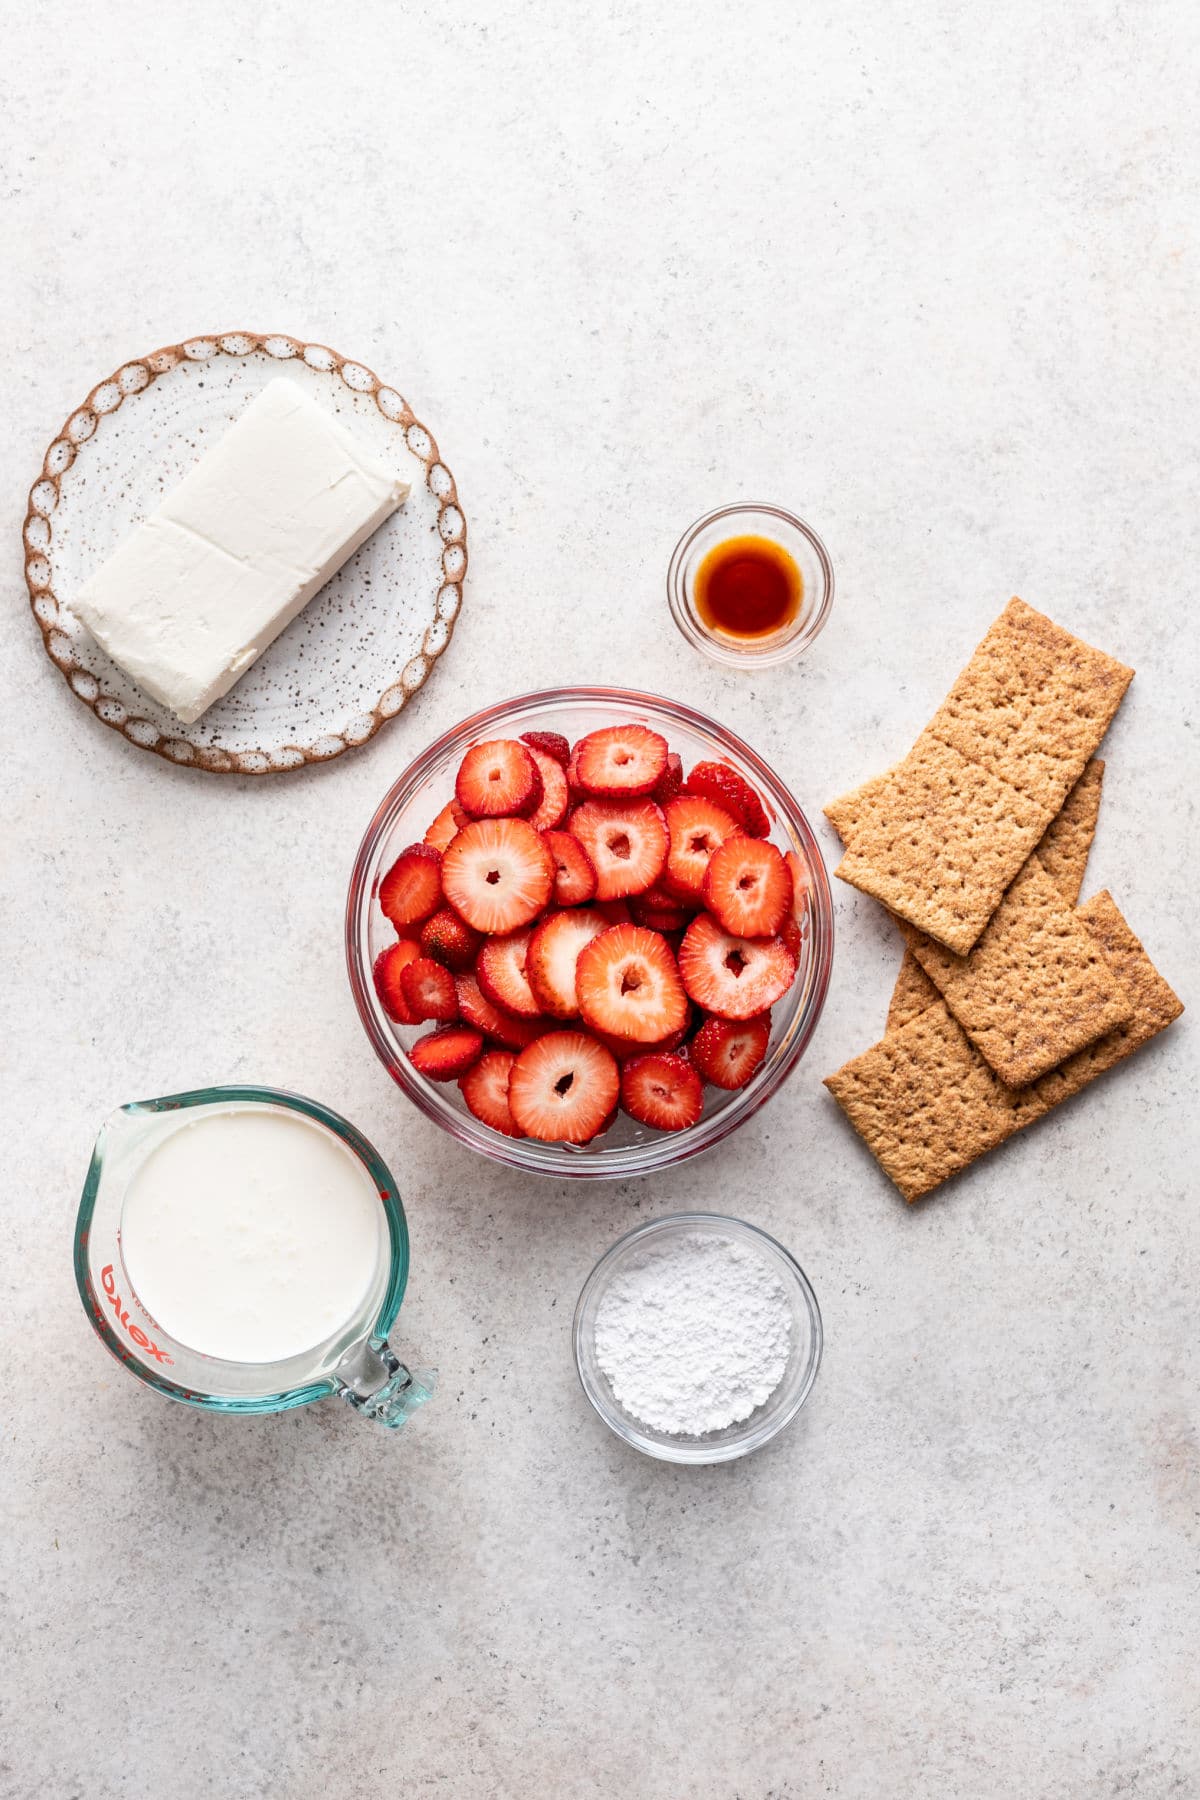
x: 380, y: 1387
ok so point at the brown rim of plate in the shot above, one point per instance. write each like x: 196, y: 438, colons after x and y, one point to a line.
x: 133, y: 378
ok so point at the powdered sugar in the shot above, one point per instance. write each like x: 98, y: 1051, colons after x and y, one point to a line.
x: 694, y: 1334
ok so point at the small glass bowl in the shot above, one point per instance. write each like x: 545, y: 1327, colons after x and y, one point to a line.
x: 751, y: 520
x: 406, y: 810
x: 769, y: 1419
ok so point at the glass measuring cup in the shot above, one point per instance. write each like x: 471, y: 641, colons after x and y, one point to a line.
x: 356, y: 1362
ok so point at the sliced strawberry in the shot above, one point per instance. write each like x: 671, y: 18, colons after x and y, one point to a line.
x: 412, y: 887
x: 623, y: 1048
x: 562, y: 1089
x: 662, y: 1091
x: 733, y: 977
x: 553, y: 955
x: 446, y: 826
x: 628, y: 983
x: 614, y: 912
x: 716, y: 781
x: 747, y: 887
x: 497, y: 779
x: 449, y: 940
x: 621, y: 761
x: 728, y: 1053
x: 662, y: 899
x: 573, y: 784
x: 500, y: 972
x: 552, y: 809
x: 389, y: 968
x: 550, y: 743
x: 670, y: 781
x: 574, y: 876
x: 789, y: 931
x: 697, y: 827
x: 484, y: 1087
x: 503, y: 1027
x: 447, y: 1053
x: 498, y: 874
x: 428, y: 989
x: 626, y: 841
x: 658, y: 918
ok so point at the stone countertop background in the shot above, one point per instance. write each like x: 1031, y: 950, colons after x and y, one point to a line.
x: 928, y: 273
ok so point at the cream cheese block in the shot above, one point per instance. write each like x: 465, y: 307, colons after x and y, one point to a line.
x: 188, y: 601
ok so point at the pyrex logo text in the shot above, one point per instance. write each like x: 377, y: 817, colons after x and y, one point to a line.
x: 135, y: 1331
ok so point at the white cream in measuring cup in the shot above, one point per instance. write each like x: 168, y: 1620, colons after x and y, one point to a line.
x: 251, y: 1234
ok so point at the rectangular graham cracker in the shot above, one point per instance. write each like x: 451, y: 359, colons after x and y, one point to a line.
x: 941, y: 843
x: 1062, y: 851
x: 926, y: 1103
x: 1035, y: 988
x: 939, y: 838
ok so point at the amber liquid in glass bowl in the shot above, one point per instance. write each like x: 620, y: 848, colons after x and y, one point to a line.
x: 748, y: 587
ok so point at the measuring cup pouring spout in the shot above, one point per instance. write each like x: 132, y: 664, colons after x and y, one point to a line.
x: 353, y: 1360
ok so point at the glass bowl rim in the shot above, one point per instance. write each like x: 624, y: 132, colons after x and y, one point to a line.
x: 730, y: 655
x: 695, y: 1451
x: 632, y: 1160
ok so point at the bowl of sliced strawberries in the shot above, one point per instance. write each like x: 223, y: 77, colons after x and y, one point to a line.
x: 589, y: 932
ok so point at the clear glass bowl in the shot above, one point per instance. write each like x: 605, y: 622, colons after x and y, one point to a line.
x: 751, y: 519
x: 403, y: 817
x: 769, y: 1419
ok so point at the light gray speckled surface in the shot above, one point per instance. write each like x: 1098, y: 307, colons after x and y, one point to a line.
x: 928, y: 273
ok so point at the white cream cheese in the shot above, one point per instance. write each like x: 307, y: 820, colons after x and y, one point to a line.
x: 198, y: 590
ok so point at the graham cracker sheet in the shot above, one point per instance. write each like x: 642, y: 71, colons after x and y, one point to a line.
x: 927, y: 1104
x: 939, y: 838
x: 1036, y: 987
x: 1062, y: 852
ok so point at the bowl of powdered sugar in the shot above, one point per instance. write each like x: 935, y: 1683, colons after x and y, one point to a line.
x: 697, y: 1338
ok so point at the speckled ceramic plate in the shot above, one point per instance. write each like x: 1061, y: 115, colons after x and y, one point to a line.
x: 357, y: 652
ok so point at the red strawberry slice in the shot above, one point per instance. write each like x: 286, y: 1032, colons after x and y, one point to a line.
x: 552, y: 809
x: 447, y: 1053
x: 550, y: 743
x: 662, y: 1091
x: 503, y: 1027
x: 623, y: 1048
x: 574, y: 876
x: 614, y: 912
x: 446, y: 826
x: 412, y: 887
x: 498, y: 874
x: 388, y: 971
x: 485, y: 1090
x: 449, y: 940
x: 562, y: 1089
x: 626, y: 842
x: 553, y: 956
x: 658, y: 918
x: 628, y: 983
x: 500, y: 972
x: 716, y: 781
x: 747, y: 887
x: 429, y: 990
x: 670, y: 781
x: 733, y: 977
x: 697, y: 827
x: 621, y: 761
x: 497, y: 779
x: 573, y: 784
x: 728, y: 1053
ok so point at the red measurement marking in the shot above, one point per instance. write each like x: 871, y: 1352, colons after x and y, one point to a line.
x: 109, y: 1282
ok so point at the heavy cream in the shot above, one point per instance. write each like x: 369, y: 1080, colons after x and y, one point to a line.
x: 252, y: 1234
